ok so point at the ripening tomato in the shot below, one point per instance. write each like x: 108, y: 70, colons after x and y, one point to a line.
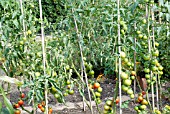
x: 140, y: 98
x: 42, y: 109
x: 50, y: 110
x: 40, y: 106
x: 144, y: 102
x: 117, y: 100
x: 143, y: 92
x: 17, y: 111
x: 133, y: 73
x: 20, y: 102
x: 16, y: 105
x: 43, y: 103
x: 22, y: 95
x: 96, y: 85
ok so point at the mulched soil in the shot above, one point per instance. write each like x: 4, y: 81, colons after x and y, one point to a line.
x: 108, y: 88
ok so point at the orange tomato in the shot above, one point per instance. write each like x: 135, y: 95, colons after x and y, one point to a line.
x: 96, y: 85
x: 16, y: 105
x: 42, y: 109
x: 20, y: 102
x: 43, y: 103
x: 140, y: 98
x: 117, y: 100
x: 17, y: 111
x: 50, y: 110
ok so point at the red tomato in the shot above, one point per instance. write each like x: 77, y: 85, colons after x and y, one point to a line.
x: 39, y: 106
x: 117, y: 100
x: 22, y: 95
x: 143, y: 92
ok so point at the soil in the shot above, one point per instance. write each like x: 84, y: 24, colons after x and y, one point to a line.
x: 108, y: 91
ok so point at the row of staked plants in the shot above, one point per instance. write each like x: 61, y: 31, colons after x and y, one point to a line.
x: 122, y: 39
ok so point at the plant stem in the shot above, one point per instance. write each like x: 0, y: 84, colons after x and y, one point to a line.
x: 149, y: 50
x: 44, y: 59
x: 82, y: 61
x: 23, y: 21
x: 119, y: 59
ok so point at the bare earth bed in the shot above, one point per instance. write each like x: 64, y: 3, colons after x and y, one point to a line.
x: 74, y: 104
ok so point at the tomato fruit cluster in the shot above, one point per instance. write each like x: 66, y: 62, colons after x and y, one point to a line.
x: 142, y: 102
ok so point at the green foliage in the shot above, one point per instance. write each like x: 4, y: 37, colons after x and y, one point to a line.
x: 7, y: 102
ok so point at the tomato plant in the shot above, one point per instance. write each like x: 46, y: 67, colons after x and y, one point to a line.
x: 84, y: 38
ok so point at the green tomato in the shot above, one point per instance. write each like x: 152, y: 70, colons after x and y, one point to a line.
x: 160, y: 68
x: 106, y: 107
x: 71, y: 92
x: 129, y: 64
x: 154, y: 68
x: 132, y: 77
x: 124, y: 75
x: 37, y: 74
x: 140, y: 36
x: 147, y: 76
x: 146, y: 70
x: 130, y: 91
x: 99, y: 89
x: 142, y: 107
x: 53, y: 89
x: 146, y: 57
x: 148, y: 81
x: 122, y: 54
x: 122, y: 31
x: 154, y: 61
x: 91, y: 72
x: 154, y: 78
x: 156, y: 44
x: 132, y: 96
x: 138, y: 32
x: 56, y: 95
x: 125, y: 60
x: 127, y: 82
x: 136, y: 108
x: 160, y: 72
x: 145, y: 37
x: 97, y: 94
x: 109, y: 102
x: 125, y: 88
x: 155, y: 53
x: 144, y: 21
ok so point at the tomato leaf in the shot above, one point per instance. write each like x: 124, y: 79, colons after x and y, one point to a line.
x: 7, y: 102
